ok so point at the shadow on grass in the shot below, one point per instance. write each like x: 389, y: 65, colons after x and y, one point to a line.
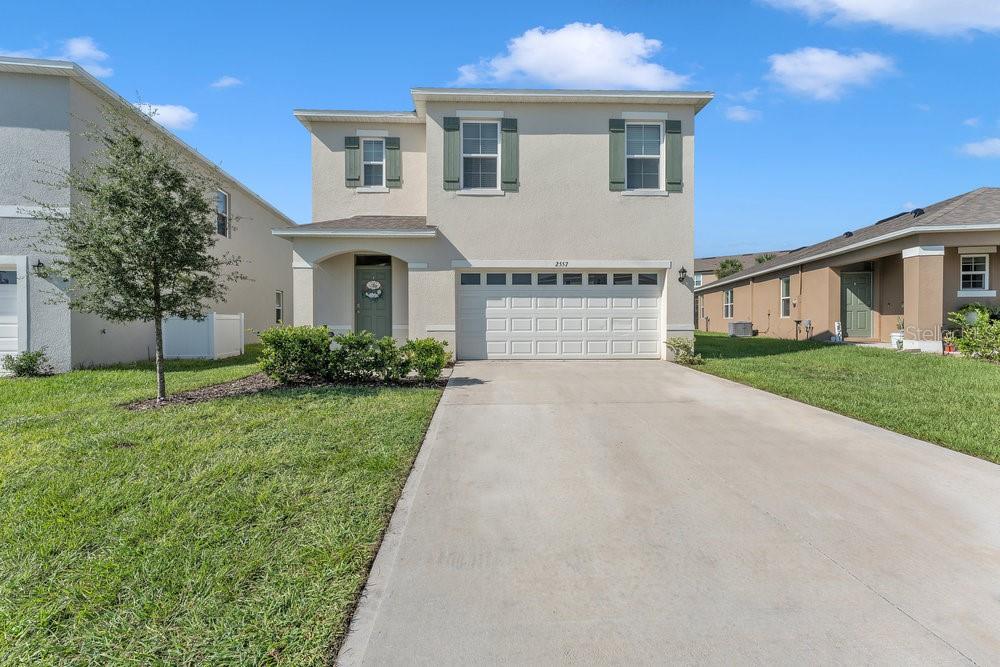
x: 721, y: 346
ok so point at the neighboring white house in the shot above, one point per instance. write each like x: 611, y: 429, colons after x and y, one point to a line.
x: 44, y: 108
x: 514, y: 224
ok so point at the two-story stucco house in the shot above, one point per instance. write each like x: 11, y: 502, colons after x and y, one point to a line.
x: 45, y: 108
x: 513, y: 224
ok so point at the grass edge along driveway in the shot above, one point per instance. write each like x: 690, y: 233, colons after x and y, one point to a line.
x: 234, y: 531
x: 950, y: 401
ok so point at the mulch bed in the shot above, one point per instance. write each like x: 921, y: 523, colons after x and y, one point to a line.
x: 255, y: 384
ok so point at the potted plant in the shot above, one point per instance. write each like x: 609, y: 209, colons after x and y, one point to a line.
x: 896, y: 337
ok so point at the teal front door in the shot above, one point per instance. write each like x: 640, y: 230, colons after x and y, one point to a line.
x: 373, y: 300
x: 856, y: 304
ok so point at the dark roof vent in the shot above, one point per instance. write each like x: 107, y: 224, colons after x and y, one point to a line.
x: 848, y: 235
x: 917, y: 212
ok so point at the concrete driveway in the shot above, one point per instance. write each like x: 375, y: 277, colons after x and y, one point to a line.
x: 640, y: 512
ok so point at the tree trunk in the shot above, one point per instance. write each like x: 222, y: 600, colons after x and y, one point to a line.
x: 161, y: 381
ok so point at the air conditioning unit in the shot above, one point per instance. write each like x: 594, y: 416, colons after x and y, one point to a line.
x: 741, y: 329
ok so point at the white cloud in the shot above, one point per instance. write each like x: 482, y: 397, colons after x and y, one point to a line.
x: 938, y: 17
x: 825, y: 74
x: 174, y: 116
x: 741, y: 114
x: 81, y: 50
x: 985, y: 148
x: 972, y: 122
x: 578, y: 55
x: 745, y: 95
x: 226, y: 82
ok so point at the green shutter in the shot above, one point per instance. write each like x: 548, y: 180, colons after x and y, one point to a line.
x: 508, y: 155
x: 616, y: 154
x: 352, y: 161
x: 393, y: 163
x: 675, y: 151
x: 452, y: 153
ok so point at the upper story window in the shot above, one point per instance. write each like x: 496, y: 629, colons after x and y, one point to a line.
x: 373, y: 158
x: 643, y: 156
x: 698, y: 279
x: 480, y: 155
x: 222, y: 225
x: 727, y: 304
x: 975, y: 272
x: 279, y: 307
x: 786, y: 297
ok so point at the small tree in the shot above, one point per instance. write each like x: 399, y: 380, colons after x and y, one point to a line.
x: 766, y: 257
x: 136, y: 245
x: 728, y: 267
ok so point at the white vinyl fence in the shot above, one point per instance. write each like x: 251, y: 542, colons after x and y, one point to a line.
x: 216, y: 337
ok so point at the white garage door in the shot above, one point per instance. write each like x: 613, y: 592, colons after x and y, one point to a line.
x: 8, y: 312
x: 570, y: 315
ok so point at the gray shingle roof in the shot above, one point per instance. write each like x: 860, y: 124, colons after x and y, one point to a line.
x: 980, y: 206
x: 703, y: 264
x: 372, y: 222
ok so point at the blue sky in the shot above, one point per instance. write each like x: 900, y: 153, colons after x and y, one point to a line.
x: 829, y: 113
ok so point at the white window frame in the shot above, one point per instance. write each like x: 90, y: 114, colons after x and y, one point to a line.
x: 699, y: 279
x: 228, y: 214
x: 785, y: 297
x: 985, y: 274
x: 378, y: 186
x: 279, y: 306
x: 728, y: 301
x: 662, y: 161
x: 492, y: 120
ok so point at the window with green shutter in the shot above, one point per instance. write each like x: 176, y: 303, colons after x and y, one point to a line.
x: 352, y: 161
x: 452, y: 127
x: 675, y: 153
x: 509, y: 177
x: 616, y: 154
x: 393, y: 163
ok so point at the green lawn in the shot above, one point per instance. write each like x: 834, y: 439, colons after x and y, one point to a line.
x: 237, y: 531
x: 954, y: 402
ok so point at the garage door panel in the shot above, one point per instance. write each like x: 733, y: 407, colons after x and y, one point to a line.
x: 556, y: 322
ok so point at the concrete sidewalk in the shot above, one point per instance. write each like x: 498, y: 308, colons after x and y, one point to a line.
x: 640, y: 513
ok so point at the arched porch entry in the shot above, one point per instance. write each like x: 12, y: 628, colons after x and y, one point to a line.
x: 362, y: 290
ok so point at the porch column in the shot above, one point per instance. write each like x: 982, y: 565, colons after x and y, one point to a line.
x: 923, y: 297
x: 303, y: 291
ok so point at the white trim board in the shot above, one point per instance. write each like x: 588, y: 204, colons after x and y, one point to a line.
x: 479, y: 113
x: 357, y: 233
x: 644, y: 115
x: 923, y: 251
x: 373, y: 133
x: 20, y: 264
x: 561, y: 264
x: 977, y: 250
x: 976, y: 293
x: 439, y: 328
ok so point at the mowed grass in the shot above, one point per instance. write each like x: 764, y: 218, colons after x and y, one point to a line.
x: 954, y: 402
x: 237, y: 531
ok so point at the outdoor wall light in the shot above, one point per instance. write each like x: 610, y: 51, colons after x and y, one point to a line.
x: 39, y: 265
x: 682, y: 275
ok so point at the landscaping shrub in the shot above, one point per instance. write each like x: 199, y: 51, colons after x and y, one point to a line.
x: 356, y: 357
x: 391, y: 363
x: 295, y: 354
x: 979, y: 339
x: 27, y: 364
x: 683, y: 349
x: 427, y: 356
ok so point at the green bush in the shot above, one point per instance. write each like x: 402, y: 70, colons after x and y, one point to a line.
x: 391, y: 363
x: 296, y: 354
x: 354, y: 357
x: 28, y: 364
x: 979, y: 339
x: 683, y: 349
x: 427, y: 357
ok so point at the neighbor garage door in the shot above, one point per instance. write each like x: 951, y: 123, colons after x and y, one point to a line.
x: 570, y: 315
x: 8, y: 312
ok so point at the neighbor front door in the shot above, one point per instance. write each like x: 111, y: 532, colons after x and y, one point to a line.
x: 856, y: 297
x: 373, y: 299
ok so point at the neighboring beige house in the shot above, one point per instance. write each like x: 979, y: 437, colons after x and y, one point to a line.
x: 513, y: 224
x: 44, y: 108
x: 911, y: 269
x: 706, y: 270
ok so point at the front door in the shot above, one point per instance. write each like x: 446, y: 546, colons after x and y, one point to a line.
x: 856, y: 303
x: 373, y: 299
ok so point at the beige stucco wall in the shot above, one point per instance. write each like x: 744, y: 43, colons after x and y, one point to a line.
x: 333, y: 200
